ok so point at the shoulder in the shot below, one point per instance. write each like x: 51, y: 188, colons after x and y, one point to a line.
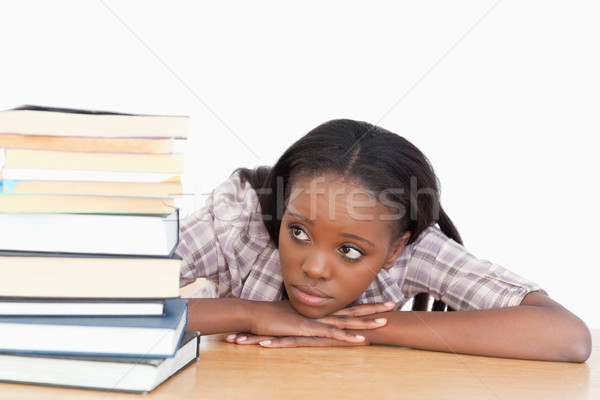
x: 234, y: 202
x: 429, y: 247
x: 433, y: 248
x: 431, y: 242
x: 231, y: 208
x: 226, y: 238
x: 233, y: 191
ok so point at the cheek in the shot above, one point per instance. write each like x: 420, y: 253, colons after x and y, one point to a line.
x: 288, y: 257
x: 360, y: 278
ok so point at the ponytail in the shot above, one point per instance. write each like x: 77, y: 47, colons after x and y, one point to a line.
x: 255, y: 177
x: 447, y: 226
x: 421, y: 300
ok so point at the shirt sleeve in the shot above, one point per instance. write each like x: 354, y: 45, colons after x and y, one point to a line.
x: 447, y: 271
x: 211, y: 240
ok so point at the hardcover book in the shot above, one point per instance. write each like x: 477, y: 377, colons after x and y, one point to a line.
x: 84, y: 204
x: 46, y: 174
x: 123, y: 374
x: 25, y: 306
x: 171, y: 163
x: 51, y: 121
x: 144, y: 235
x: 145, y: 337
x: 60, y: 275
x: 94, y: 144
x: 126, y: 189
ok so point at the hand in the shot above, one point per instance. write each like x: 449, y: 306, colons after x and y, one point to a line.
x: 280, y: 319
x: 347, y: 317
x: 289, y: 341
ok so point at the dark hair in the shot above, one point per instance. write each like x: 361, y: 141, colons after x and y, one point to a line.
x: 376, y: 158
x: 370, y: 155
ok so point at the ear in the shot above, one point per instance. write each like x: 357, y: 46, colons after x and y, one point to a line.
x: 395, y: 250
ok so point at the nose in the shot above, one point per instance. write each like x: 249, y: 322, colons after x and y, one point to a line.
x: 317, y: 266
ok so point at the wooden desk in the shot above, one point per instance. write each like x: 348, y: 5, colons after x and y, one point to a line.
x: 227, y: 371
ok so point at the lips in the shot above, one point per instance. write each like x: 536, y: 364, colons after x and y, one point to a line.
x: 310, y: 296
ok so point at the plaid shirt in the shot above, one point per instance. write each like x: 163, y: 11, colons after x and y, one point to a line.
x: 227, y: 243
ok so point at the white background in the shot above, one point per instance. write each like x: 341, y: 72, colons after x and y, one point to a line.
x: 503, y: 97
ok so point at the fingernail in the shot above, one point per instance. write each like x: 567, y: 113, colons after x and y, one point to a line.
x: 243, y: 338
x: 231, y: 337
x: 360, y: 337
x: 381, y: 320
x: 389, y: 304
x: 265, y: 343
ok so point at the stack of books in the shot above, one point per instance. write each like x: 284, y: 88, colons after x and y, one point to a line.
x: 89, y: 278
x: 75, y: 161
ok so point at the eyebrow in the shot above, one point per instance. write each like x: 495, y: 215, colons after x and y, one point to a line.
x: 302, y: 218
x: 362, y: 239
x: 343, y: 234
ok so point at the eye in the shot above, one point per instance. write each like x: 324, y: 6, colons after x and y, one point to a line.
x: 351, y: 253
x: 299, y: 234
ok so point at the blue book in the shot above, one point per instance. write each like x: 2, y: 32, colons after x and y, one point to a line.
x: 147, y: 337
x: 122, y: 374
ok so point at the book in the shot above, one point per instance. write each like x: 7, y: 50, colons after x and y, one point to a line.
x: 65, y: 203
x: 80, y: 307
x: 56, y: 275
x: 76, y: 160
x: 145, y: 337
x: 91, y: 144
x: 124, y: 374
x: 127, y: 189
x: 45, y: 174
x: 141, y: 235
x: 51, y: 121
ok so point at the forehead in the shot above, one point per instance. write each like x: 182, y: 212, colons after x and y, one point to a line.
x: 333, y: 198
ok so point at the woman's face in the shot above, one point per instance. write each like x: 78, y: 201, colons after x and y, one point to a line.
x: 332, y: 243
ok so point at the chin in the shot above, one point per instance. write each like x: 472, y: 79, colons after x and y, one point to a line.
x: 310, y: 312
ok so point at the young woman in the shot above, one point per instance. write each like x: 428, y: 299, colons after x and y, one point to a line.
x: 325, y: 247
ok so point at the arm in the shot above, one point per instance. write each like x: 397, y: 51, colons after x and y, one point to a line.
x: 210, y: 316
x: 539, y: 329
x: 498, y: 319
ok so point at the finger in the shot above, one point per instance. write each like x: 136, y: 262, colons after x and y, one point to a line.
x: 252, y: 339
x: 246, y: 338
x: 304, y: 341
x: 319, y: 329
x: 232, y: 337
x: 347, y: 322
x: 360, y: 310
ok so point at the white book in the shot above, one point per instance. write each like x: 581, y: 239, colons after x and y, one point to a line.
x: 111, y: 234
x: 10, y: 306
